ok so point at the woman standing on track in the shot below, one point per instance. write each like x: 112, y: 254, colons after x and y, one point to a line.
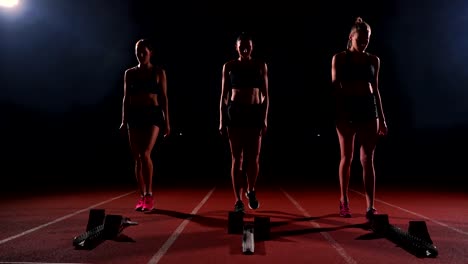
x: 145, y: 112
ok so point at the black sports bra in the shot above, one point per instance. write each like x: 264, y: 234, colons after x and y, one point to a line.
x: 352, y: 71
x: 245, y: 75
x: 138, y: 85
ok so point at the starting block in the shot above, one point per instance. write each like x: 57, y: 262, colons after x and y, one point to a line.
x: 96, y: 218
x: 261, y: 225
x: 419, y: 229
x: 235, y: 222
x: 416, y: 240
x: 248, y: 241
x: 101, y: 227
x: 262, y: 228
x: 259, y: 230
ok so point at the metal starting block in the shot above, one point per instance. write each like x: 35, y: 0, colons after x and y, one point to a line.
x: 101, y: 227
x: 416, y: 240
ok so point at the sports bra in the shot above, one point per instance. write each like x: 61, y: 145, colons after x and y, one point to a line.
x: 245, y: 75
x: 352, y: 71
x: 138, y: 85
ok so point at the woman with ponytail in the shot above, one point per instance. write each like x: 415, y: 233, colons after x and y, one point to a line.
x: 359, y: 112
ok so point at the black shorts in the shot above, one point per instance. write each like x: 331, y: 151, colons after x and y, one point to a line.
x: 356, y: 109
x: 245, y: 115
x: 145, y: 116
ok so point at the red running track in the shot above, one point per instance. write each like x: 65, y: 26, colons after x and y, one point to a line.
x: 190, y: 226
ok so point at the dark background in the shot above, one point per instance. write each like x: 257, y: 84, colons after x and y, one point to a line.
x: 61, y: 79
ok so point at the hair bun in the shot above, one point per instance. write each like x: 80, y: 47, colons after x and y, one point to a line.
x: 359, y: 20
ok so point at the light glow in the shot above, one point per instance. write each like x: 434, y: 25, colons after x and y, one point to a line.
x: 9, y: 3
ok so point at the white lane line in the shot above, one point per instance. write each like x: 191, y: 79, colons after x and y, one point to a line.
x: 341, y: 251
x: 63, y: 218
x: 165, y: 247
x: 418, y: 215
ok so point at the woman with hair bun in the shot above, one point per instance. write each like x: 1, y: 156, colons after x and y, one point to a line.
x: 359, y: 112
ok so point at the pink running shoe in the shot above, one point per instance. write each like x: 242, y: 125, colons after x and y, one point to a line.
x: 148, y: 203
x: 344, y: 210
x: 140, y: 204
